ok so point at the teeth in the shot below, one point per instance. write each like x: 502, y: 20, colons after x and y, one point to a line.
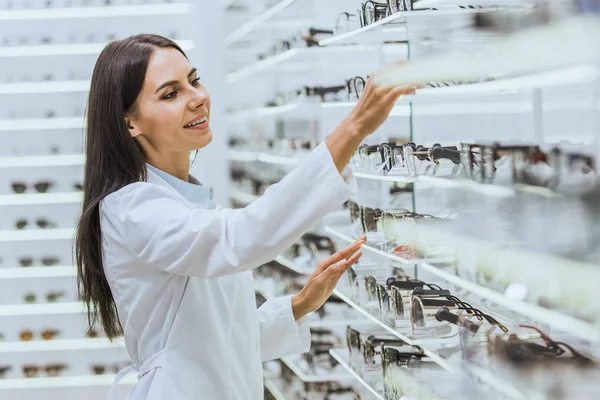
x: 196, y: 123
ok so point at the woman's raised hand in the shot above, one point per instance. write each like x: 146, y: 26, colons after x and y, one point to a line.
x: 376, y: 102
x: 324, y: 279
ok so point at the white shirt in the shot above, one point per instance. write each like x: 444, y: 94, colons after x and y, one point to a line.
x: 180, y: 274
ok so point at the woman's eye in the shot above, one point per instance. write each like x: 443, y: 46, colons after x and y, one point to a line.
x: 170, y: 95
x: 195, y: 82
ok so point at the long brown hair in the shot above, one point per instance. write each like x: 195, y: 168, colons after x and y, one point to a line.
x: 113, y: 160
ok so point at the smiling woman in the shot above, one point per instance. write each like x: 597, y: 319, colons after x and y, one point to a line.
x: 159, y: 263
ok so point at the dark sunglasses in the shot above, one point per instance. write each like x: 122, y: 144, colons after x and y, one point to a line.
x: 46, y: 261
x: 40, y: 187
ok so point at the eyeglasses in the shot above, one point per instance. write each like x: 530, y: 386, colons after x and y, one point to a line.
x: 355, y: 87
x: 45, y: 261
x: 101, y: 369
x: 48, y: 334
x: 40, y: 187
x: 51, y: 297
x: 519, y: 351
x: 346, y: 22
x: 372, y: 11
x: 42, y: 223
x: 371, y: 344
x: 52, y: 370
x: 4, y: 369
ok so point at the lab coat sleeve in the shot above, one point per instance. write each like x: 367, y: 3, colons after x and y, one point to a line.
x: 167, y: 234
x: 280, y: 334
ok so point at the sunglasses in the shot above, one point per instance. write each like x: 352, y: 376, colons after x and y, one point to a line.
x: 51, y: 297
x: 40, y: 222
x: 48, y: 334
x: 45, y: 261
x: 371, y: 345
x: 4, y: 369
x: 40, y: 187
x: 52, y: 370
x: 101, y: 369
x: 525, y: 352
x: 391, y: 356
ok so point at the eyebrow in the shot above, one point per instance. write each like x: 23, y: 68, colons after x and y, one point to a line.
x: 170, y: 83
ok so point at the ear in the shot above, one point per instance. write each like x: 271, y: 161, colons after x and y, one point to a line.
x: 134, y: 129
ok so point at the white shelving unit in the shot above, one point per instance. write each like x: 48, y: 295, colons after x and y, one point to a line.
x: 63, y: 44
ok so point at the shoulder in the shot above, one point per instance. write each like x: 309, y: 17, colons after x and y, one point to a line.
x: 136, y: 195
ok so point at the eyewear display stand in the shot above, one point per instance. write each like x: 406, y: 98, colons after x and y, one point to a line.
x: 499, y: 144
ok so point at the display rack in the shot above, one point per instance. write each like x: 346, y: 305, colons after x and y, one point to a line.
x: 62, y: 43
x: 512, y: 90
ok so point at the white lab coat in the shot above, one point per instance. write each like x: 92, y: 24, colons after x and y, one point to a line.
x: 180, y: 274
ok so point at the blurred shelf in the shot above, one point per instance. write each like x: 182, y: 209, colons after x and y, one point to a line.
x: 241, y: 197
x: 273, y: 389
x: 66, y: 49
x: 426, y: 345
x: 558, y: 320
x: 406, y: 261
x: 252, y: 156
x: 55, y: 271
x: 311, y: 378
x: 261, y: 112
x: 342, y: 357
x: 42, y: 124
x: 508, y: 59
x: 256, y: 21
x: 60, y: 345
x: 66, y: 382
x: 141, y: 10
x: 42, y: 161
x: 41, y: 309
x: 462, y: 183
x: 44, y: 87
x: 37, y: 234
x: 292, y: 266
x: 293, y: 60
x: 41, y: 198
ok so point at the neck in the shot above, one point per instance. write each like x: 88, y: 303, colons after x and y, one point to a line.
x: 177, y: 165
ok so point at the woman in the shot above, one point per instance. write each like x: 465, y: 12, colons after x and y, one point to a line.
x: 160, y: 264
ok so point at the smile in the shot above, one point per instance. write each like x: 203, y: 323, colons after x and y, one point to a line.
x: 197, y: 122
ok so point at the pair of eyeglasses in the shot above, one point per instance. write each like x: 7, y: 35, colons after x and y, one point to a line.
x: 39, y: 187
x: 372, y: 346
x: 52, y: 370
x: 101, y: 369
x: 4, y: 369
x: 524, y: 352
x: 47, y: 334
x: 355, y: 87
x: 41, y: 223
x: 391, y: 356
x: 45, y: 261
x: 329, y: 389
x: 51, y: 297
x: 372, y: 11
x: 419, y: 302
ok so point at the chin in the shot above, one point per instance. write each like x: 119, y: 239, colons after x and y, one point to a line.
x: 204, y: 140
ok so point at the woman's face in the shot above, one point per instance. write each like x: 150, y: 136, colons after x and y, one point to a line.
x: 170, y: 106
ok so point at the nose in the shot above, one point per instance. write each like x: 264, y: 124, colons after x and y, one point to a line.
x: 199, y: 98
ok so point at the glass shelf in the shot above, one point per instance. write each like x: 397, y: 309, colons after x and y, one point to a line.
x: 61, y: 345
x: 342, y: 357
x: 42, y: 161
x: 273, y: 389
x: 56, y: 271
x: 37, y: 234
x: 586, y: 275
x: 304, y: 377
x: 27, y: 199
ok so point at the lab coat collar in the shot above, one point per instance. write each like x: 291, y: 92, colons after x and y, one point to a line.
x: 192, y: 191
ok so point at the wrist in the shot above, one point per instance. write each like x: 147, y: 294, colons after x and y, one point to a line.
x: 299, y: 307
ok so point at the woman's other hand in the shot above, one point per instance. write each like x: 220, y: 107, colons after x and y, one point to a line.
x: 324, y: 279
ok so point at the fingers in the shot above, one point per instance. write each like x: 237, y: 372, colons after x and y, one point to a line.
x: 337, y: 269
x: 344, y: 253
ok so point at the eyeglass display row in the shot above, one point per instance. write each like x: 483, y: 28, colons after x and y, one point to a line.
x: 49, y: 4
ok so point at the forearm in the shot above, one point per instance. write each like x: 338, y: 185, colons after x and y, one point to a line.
x: 343, y: 141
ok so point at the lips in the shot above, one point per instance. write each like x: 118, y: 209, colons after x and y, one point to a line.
x: 196, y: 121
